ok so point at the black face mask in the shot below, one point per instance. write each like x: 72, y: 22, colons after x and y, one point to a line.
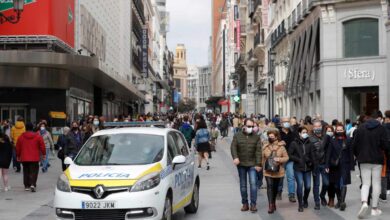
x: 339, y: 134
x: 75, y: 128
x: 271, y: 140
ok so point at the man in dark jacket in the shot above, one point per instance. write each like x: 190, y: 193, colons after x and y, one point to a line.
x: 288, y: 137
x: 319, y: 144
x: 369, y: 147
x: 29, y: 147
x: 246, y: 153
x: 386, y: 180
x: 224, y: 125
x: 187, y: 130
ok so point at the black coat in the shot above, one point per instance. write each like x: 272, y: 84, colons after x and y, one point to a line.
x: 5, y: 152
x: 346, y: 161
x: 370, y: 143
x: 301, y: 154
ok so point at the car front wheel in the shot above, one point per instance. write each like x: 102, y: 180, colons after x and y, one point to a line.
x: 193, y: 206
x: 167, y: 215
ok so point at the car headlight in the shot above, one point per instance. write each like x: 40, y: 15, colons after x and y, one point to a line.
x: 147, y: 182
x: 63, y: 183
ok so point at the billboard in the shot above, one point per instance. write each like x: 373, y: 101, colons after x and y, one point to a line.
x: 42, y: 17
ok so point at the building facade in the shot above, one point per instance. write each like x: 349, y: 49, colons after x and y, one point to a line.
x: 204, y: 87
x: 180, y: 71
x: 193, y: 84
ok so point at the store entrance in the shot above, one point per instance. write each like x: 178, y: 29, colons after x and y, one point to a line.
x: 12, y: 112
x: 360, y: 100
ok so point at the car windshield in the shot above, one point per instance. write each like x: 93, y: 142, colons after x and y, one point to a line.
x: 121, y: 149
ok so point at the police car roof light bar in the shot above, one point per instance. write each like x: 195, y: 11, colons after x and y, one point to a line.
x: 136, y: 124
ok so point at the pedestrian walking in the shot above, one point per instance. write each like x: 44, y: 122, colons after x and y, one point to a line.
x: 247, y: 154
x: 369, y: 145
x: 224, y: 126
x: 288, y: 137
x: 300, y: 153
x: 319, y: 143
x: 16, y: 132
x: 187, y: 130
x: 386, y: 174
x: 76, y: 138
x: 236, y: 124
x: 202, y: 139
x: 274, y: 156
x: 63, y: 141
x: 339, y: 164
x: 5, y: 158
x: 49, y: 144
x: 29, y: 147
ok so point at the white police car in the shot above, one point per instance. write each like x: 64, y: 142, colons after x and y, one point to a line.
x: 129, y: 173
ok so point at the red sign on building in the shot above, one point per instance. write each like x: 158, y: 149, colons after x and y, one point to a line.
x: 46, y: 18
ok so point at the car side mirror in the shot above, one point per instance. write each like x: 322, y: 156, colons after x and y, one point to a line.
x: 68, y: 161
x: 178, y: 160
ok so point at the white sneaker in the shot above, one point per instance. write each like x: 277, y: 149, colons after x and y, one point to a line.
x: 363, y: 211
x: 7, y: 188
x: 388, y: 192
x: 376, y: 212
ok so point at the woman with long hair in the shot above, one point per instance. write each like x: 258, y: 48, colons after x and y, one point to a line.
x: 339, y: 163
x: 202, y: 139
x: 275, y: 148
x: 5, y: 158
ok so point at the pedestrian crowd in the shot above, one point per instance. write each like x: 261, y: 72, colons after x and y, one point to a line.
x: 312, y: 155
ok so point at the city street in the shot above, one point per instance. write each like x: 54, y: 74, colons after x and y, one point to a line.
x: 220, y: 198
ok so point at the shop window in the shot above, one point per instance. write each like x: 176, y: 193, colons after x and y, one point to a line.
x: 361, y: 37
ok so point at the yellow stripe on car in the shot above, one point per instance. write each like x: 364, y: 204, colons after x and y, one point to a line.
x: 110, y: 182
x: 182, y: 203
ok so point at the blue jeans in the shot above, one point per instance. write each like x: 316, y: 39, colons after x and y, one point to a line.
x: 15, y: 162
x: 45, y: 163
x: 243, y: 173
x: 290, y: 179
x: 303, y: 180
x: 320, y: 171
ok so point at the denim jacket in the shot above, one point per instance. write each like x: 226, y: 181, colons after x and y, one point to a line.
x: 202, y: 136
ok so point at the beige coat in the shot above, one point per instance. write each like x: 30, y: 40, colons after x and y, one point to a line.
x: 279, y: 147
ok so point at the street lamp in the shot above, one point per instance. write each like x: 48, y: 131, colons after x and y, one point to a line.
x: 272, y: 56
x: 18, y: 8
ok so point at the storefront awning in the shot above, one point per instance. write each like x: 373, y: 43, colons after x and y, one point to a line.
x: 85, y: 67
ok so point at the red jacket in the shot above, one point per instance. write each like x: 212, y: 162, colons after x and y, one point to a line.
x: 29, y: 147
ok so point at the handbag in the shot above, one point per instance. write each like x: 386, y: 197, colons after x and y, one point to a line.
x: 271, y: 165
x: 336, y: 162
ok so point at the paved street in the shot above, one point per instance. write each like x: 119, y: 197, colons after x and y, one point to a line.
x: 220, y: 199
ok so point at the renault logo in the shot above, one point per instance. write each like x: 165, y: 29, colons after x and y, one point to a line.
x: 99, y: 191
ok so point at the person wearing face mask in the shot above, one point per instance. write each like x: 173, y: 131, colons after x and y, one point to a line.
x: 246, y: 152
x: 319, y: 145
x: 95, y: 125
x: 49, y: 144
x: 76, y: 138
x: 274, y: 148
x: 288, y: 137
x: 329, y: 131
x: 339, y: 163
x: 300, y: 153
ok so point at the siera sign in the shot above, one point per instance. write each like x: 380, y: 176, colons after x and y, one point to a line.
x: 9, y: 4
x: 356, y: 73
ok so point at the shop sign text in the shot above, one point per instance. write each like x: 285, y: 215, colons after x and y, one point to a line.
x: 355, y: 73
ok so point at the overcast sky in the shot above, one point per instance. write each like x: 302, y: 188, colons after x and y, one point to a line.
x: 190, y: 24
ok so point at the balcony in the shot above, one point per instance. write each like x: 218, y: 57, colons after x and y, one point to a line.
x: 259, y: 41
x: 278, y: 34
x: 294, y: 19
x: 252, y: 60
x: 139, y: 6
x: 305, y: 8
x: 299, y: 13
x: 257, y: 8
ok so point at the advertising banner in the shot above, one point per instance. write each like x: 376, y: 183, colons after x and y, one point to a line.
x: 145, y: 46
x: 238, y: 34
x: 42, y: 17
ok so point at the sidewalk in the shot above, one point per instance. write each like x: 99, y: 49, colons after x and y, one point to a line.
x: 17, y: 203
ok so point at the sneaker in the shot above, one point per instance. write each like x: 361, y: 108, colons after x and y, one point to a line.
x: 382, y: 198
x: 363, y: 211
x: 26, y: 189
x: 376, y: 212
x: 7, y: 188
x: 33, y: 189
x: 388, y: 192
x: 292, y: 199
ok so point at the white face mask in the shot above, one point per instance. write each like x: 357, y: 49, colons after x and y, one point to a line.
x: 249, y: 130
x: 43, y: 128
x: 305, y: 135
x: 96, y: 123
x: 329, y: 133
